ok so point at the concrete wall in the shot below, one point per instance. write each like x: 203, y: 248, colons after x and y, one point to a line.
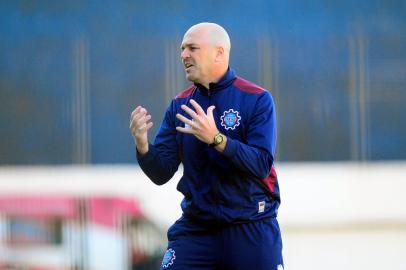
x: 333, y: 215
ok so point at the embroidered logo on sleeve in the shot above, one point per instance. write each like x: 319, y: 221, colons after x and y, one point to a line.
x: 261, y: 207
x: 230, y: 119
x: 169, y: 258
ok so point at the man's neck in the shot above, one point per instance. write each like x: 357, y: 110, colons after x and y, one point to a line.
x: 215, y: 79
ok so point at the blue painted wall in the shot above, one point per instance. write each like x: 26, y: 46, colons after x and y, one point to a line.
x: 72, y: 71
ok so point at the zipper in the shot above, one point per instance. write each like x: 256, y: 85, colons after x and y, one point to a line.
x: 216, y: 185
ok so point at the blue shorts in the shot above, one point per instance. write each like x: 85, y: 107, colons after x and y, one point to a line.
x: 255, y: 245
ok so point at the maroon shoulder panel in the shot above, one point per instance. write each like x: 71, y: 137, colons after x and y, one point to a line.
x: 247, y: 86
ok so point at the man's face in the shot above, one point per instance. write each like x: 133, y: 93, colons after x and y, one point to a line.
x: 197, y: 56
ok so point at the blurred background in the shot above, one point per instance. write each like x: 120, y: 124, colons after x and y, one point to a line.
x: 71, y: 72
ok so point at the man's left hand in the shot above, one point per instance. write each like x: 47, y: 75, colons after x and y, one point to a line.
x: 202, y: 125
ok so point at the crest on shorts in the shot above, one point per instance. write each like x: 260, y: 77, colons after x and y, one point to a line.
x: 230, y: 119
x: 169, y: 258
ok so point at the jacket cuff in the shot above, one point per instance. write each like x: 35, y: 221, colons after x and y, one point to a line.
x: 147, y: 157
x: 231, y: 147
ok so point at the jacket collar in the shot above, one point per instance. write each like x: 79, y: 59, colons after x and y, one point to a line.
x: 223, y: 83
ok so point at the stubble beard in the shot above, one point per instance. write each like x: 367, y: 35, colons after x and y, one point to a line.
x: 190, y: 76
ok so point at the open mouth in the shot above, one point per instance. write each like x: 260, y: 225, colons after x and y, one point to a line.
x: 188, y: 66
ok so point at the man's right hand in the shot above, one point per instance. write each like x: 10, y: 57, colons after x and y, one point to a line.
x: 139, y: 125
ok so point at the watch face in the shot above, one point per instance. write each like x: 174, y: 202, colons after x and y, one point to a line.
x: 218, y: 139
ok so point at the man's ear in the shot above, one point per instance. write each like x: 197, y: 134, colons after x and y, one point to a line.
x: 219, y: 54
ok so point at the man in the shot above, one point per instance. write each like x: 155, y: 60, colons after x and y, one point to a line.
x: 223, y: 130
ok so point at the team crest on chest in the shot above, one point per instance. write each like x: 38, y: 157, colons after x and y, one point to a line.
x: 230, y: 119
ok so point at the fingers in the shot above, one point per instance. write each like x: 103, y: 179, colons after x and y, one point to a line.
x: 190, y: 112
x: 194, y: 114
x: 197, y: 107
x: 149, y: 125
x: 137, y: 114
x: 140, y: 120
x: 185, y: 120
x: 141, y: 125
x: 185, y: 130
x: 136, y: 110
x: 210, y: 111
x: 199, y: 118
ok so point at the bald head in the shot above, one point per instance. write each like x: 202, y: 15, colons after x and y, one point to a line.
x: 214, y: 33
x: 205, y: 53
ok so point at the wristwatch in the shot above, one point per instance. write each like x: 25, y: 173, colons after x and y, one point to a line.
x: 219, y: 138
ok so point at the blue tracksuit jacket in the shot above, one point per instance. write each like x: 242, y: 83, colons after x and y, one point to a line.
x: 239, y: 185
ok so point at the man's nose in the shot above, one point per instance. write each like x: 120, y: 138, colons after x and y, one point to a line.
x: 184, y: 54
